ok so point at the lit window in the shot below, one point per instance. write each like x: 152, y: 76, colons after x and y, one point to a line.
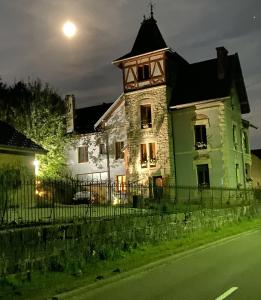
x: 145, y: 115
x: 200, y: 137
x: 82, y: 154
x: 152, y: 154
x: 102, y: 149
x: 119, y: 154
x: 143, y: 72
x: 203, y: 176
x: 143, y: 156
x: 120, y: 183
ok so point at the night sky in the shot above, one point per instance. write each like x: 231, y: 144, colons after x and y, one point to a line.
x: 33, y: 46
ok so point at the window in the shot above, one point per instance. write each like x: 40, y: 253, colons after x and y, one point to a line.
x: 82, y: 154
x: 200, y: 137
x: 245, y: 142
x: 145, y: 115
x: 143, y: 155
x: 235, y: 136
x: 152, y: 154
x: 237, y: 176
x: 248, y: 172
x: 143, y: 72
x: 102, y: 149
x: 118, y: 150
x: 120, y: 183
x: 203, y: 176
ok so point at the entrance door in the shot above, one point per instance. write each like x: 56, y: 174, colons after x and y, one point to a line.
x: 157, y: 187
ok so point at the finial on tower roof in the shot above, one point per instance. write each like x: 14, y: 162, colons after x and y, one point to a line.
x: 151, y: 9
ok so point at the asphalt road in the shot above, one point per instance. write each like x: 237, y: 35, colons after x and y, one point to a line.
x: 227, y: 270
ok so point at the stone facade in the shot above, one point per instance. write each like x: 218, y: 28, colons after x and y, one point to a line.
x: 159, y: 133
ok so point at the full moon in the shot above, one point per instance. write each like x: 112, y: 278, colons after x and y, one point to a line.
x: 69, y: 29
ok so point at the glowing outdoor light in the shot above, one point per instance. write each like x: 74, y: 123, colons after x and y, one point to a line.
x: 36, y: 167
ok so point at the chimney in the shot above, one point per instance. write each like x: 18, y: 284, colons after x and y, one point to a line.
x: 221, y: 62
x: 70, y: 112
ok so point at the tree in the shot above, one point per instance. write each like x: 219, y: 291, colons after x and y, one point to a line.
x: 36, y: 110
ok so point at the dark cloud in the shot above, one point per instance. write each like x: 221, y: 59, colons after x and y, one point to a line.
x: 32, y: 45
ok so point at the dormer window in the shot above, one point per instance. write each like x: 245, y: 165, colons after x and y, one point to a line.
x: 143, y: 72
x: 145, y: 116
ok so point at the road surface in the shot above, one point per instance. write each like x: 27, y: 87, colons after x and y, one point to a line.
x: 227, y: 270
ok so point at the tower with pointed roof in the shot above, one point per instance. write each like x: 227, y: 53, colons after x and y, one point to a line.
x: 148, y: 78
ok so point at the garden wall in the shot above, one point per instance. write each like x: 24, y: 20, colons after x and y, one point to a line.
x: 71, y: 246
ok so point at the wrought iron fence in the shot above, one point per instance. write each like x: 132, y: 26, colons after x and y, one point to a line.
x: 41, y: 202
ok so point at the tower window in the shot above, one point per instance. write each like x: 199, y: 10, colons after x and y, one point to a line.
x: 82, y: 154
x: 152, y: 153
x: 145, y: 115
x: 200, y: 137
x: 203, y: 176
x: 143, y: 72
x: 143, y: 155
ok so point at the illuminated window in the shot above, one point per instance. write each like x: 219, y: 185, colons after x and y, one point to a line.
x: 145, y: 116
x: 120, y: 183
x: 152, y: 154
x: 200, y: 137
x: 119, y: 154
x: 203, y: 176
x: 82, y: 154
x: 102, y: 149
x: 143, y: 156
x: 143, y: 72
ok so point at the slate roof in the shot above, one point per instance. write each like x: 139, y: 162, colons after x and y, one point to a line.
x: 86, y: 117
x: 257, y: 152
x: 11, y: 138
x: 199, y: 81
x: 148, y: 39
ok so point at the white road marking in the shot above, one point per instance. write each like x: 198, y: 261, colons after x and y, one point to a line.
x: 227, y: 293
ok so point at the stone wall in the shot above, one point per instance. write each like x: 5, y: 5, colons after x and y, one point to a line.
x: 160, y: 133
x: 71, y: 246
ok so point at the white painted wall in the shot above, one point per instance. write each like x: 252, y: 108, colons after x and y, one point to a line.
x: 96, y: 167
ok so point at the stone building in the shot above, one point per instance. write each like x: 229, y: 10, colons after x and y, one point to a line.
x: 175, y: 123
x: 184, y: 121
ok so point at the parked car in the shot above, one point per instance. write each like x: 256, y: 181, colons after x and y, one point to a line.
x: 83, y: 197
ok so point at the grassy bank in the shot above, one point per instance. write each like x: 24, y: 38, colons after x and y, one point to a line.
x: 43, y: 285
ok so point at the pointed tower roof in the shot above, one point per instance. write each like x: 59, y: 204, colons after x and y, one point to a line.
x: 149, y: 39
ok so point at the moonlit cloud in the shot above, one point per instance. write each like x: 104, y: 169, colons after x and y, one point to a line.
x: 32, y: 44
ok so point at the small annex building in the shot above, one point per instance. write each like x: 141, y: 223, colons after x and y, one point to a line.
x: 17, y: 152
x: 98, y: 139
